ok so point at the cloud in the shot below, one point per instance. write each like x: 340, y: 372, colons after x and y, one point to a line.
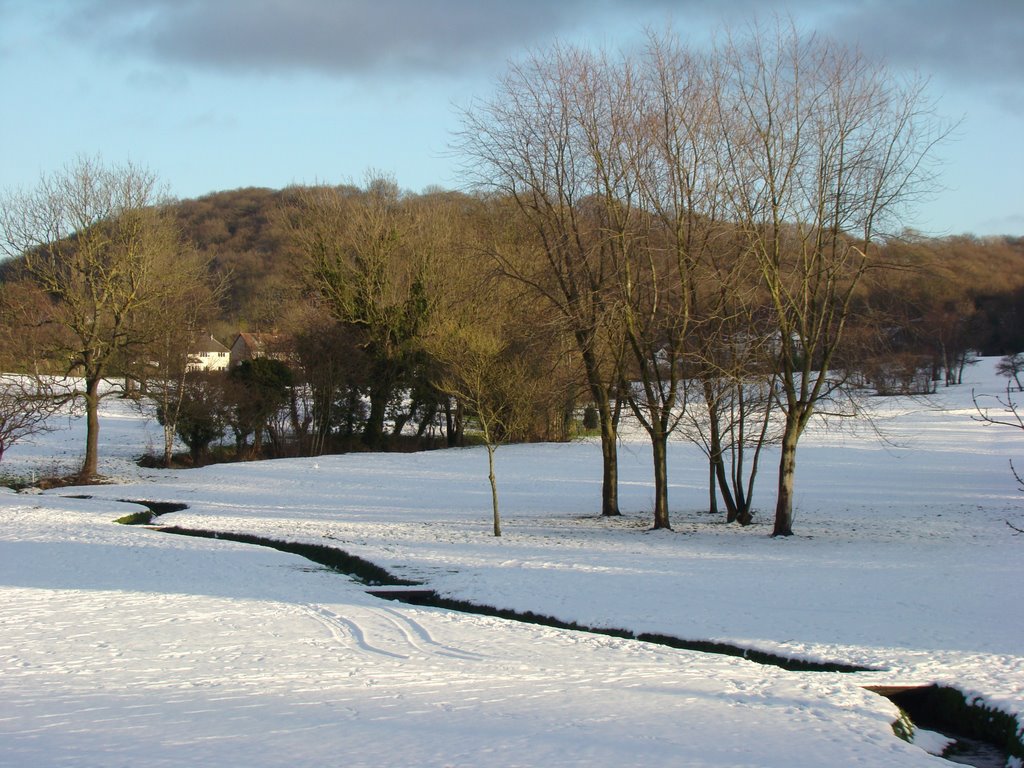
x: 973, y: 44
x: 330, y: 36
x: 363, y: 36
x: 1001, y: 225
x: 968, y: 44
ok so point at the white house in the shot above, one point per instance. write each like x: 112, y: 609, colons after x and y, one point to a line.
x: 208, y: 355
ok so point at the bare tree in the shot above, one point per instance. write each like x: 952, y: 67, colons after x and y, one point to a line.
x: 1006, y: 412
x: 93, y: 238
x: 676, y: 179
x: 487, y: 352
x: 1012, y: 366
x: 26, y: 407
x: 731, y: 420
x: 824, y: 148
x: 527, y: 145
x: 496, y: 382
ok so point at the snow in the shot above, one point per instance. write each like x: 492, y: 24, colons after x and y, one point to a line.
x: 121, y: 645
x: 931, y: 742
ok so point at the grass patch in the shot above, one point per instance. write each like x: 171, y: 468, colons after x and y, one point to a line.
x: 153, y: 509
x: 136, y: 518
x: 949, y: 711
x: 903, y: 726
x: 15, y: 482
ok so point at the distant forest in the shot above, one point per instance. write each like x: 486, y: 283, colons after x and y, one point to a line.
x: 963, y: 291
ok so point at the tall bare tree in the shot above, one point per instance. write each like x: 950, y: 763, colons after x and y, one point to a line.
x: 824, y: 149
x: 95, y: 240
x: 528, y: 145
x: 675, y: 178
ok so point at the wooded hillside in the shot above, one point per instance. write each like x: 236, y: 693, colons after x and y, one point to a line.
x: 974, y: 283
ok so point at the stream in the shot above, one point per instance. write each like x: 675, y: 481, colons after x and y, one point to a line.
x: 980, y: 736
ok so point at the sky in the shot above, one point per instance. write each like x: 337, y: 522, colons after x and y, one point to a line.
x: 222, y: 94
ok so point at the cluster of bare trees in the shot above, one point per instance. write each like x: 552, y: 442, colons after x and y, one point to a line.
x: 948, y: 300
x: 701, y: 223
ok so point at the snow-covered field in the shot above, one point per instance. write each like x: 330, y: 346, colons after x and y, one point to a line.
x: 125, y: 646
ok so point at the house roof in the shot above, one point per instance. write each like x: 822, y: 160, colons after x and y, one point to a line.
x: 255, y: 343
x: 207, y: 345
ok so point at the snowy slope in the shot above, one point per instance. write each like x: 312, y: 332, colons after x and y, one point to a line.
x: 122, y: 645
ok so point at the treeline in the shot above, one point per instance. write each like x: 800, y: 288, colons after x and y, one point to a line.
x: 361, y: 283
x: 974, y: 286
x: 968, y: 290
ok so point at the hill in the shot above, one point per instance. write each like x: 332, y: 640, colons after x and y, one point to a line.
x: 974, y: 283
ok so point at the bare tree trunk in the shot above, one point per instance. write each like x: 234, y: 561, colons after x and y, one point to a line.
x: 743, y: 481
x: 787, y: 475
x: 712, y: 488
x: 731, y: 510
x: 90, y: 466
x: 659, y: 447
x: 426, y: 420
x: 449, y: 423
x: 171, y: 411
x: 373, y: 430
x: 610, y: 461
x: 168, y: 445
x: 718, y: 475
x: 403, y: 418
x: 453, y: 420
x: 494, y: 487
x: 352, y: 403
x: 608, y: 419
